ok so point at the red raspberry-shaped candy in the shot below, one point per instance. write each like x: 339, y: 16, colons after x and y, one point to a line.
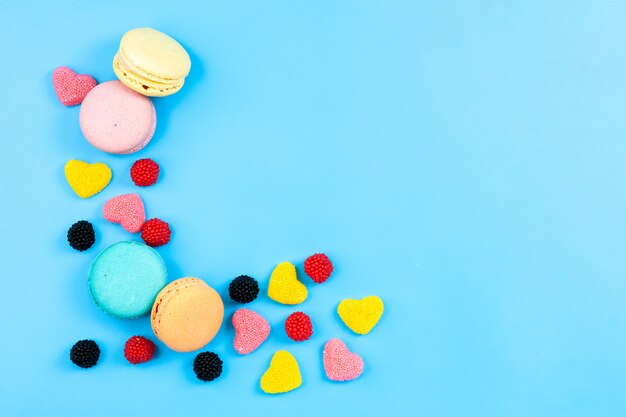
x: 144, y: 172
x: 298, y: 326
x: 156, y: 232
x: 318, y: 267
x: 138, y: 349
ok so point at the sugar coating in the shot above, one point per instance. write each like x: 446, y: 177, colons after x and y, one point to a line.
x: 87, y: 179
x: 127, y: 210
x: 251, y: 330
x: 283, y: 375
x: 284, y: 286
x: 361, y: 315
x: 70, y: 87
x: 339, y: 363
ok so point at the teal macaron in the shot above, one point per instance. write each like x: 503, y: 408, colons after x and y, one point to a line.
x: 125, y: 279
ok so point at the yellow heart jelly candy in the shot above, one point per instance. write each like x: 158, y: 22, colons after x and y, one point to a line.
x: 87, y: 179
x: 284, y: 285
x: 361, y: 315
x: 283, y: 375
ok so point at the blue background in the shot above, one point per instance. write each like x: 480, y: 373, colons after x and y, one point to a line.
x: 462, y: 160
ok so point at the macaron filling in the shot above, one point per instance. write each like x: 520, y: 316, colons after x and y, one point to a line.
x: 142, y: 85
x: 145, y: 81
x: 126, y: 63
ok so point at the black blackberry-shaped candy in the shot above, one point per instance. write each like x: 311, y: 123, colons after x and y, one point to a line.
x: 207, y: 366
x: 81, y: 235
x: 243, y: 289
x: 85, y: 353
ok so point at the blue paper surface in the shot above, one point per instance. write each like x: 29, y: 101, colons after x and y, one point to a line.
x: 464, y: 161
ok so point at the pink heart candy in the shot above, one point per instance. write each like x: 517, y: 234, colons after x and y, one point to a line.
x: 339, y: 363
x: 71, y: 88
x: 250, y: 330
x: 126, y: 210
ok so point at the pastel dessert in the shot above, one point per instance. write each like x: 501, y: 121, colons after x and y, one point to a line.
x: 70, y: 87
x: 151, y: 63
x: 87, y: 179
x: 283, y: 375
x: 284, y: 286
x: 125, y: 279
x: 127, y: 210
x: 187, y: 314
x: 361, y: 315
x: 116, y: 119
x: 339, y: 363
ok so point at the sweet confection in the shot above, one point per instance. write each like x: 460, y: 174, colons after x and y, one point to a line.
x: 187, y: 314
x: 318, y: 267
x: 339, y: 363
x: 129, y: 279
x: 81, y: 235
x: 156, y: 232
x: 251, y: 330
x: 283, y: 374
x: 144, y: 172
x: 85, y: 353
x: 284, y: 286
x: 115, y: 119
x: 298, y: 326
x: 361, y: 315
x: 207, y: 366
x: 125, y: 279
x: 127, y: 210
x: 87, y: 179
x: 243, y: 289
x: 70, y: 87
x: 139, y: 349
x: 151, y: 63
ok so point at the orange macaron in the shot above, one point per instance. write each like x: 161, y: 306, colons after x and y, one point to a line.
x: 187, y: 314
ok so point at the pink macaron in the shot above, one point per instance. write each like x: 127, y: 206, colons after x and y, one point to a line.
x: 116, y: 119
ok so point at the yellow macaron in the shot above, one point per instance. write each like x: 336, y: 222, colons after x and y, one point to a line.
x: 151, y: 63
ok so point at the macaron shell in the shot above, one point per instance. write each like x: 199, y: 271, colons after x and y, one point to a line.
x: 125, y: 278
x: 187, y: 314
x: 116, y: 119
x: 154, y: 55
